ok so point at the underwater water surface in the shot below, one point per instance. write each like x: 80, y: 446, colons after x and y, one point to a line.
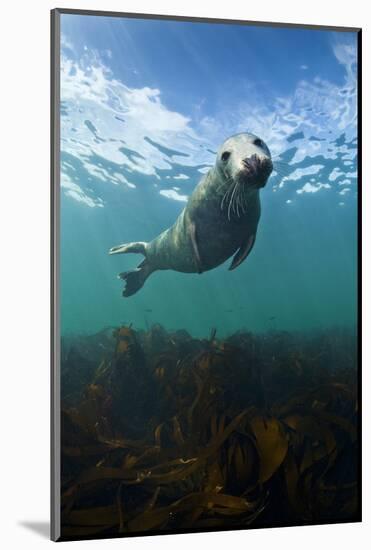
x: 229, y: 398
x: 144, y: 107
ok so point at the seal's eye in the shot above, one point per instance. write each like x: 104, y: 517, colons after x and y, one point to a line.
x: 258, y: 142
x: 225, y: 156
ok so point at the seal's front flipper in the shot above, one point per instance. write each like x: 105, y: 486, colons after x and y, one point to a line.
x: 135, y: 279
x: 242, y: 252
x: 192, y: 232
x: 135, y: 248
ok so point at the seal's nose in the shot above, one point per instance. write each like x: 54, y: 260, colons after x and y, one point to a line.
x: 252, y: 163
x: 257, y: 163
x: 260, y: 167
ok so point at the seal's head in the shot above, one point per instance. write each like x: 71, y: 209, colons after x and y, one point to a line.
x: 245, y: 159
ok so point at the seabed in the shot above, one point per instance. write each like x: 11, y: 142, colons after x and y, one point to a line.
x: 165, y: 432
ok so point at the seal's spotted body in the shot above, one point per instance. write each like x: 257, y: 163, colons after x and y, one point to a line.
x: 220, y: 219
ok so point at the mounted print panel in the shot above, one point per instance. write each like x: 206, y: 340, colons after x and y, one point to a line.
x: 205, y: 275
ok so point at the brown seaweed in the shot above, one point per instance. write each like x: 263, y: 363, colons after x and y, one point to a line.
x: 172, y: 432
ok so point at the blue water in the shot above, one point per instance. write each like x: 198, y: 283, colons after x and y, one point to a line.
x: 145, y: 105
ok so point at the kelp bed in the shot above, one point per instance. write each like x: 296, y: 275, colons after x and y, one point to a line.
x: 163, y: 432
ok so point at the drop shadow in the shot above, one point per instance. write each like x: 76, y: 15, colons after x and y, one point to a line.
x: 41, y: 528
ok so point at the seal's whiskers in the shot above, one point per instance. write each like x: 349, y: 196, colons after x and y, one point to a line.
x: 231, y: 202
x: 226, y: 194
x: 238, y: 199
x: 235, y: 199
x: 224, y: 198
x: 223, y: 184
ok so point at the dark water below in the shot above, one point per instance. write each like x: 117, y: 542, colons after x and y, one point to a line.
x: 164, y: 432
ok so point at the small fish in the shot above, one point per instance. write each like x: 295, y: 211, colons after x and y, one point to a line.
x: 148, y: 310
x: 271, y: 318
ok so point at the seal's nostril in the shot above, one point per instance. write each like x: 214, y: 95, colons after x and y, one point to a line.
x: 252, y: 162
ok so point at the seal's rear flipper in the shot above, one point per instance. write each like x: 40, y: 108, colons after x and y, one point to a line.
x: 135, y: 248
x: 135, y: 279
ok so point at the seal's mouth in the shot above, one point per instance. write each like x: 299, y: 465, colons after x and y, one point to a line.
x: 256, y: 170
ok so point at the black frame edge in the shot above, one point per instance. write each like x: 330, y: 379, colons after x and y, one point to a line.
x: 55, y: 523
x: 195, y: 19
x: 359, y: 265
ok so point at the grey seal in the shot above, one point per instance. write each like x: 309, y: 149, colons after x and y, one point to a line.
x: 219, y: 220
